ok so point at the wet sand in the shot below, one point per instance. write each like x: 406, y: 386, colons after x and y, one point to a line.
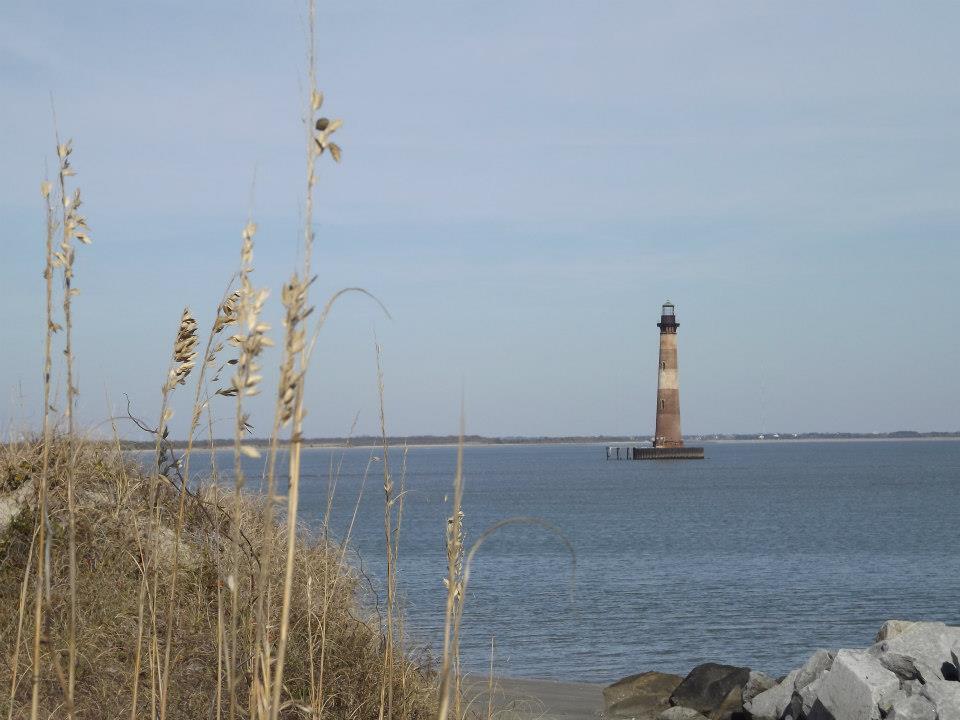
x: 515, y: 699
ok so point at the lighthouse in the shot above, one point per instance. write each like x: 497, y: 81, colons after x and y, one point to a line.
x: 667, y: 438
x: 667, y: 434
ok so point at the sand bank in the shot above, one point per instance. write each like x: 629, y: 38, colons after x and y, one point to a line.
x: 521, y: 699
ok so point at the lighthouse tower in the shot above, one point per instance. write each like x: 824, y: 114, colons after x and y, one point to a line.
x: 668, y: 434
x: 667, y: 439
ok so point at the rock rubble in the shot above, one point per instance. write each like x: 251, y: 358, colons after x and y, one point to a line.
x: 911, y: 672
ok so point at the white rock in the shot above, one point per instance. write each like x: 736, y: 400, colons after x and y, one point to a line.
x: 892, y: 628
x: 770, y: 704
x: 927, y: 643
x: 809, y: 694
x: 945, y: 696
x: 818, y: 664
x: 759, y: 682
x: 855, y: 685
x: 911, y: 687
x: 912, y: 707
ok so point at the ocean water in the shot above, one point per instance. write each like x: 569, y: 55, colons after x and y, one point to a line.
x: 756, y: 556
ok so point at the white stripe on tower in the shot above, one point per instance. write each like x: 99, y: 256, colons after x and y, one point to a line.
x: 668, y: 379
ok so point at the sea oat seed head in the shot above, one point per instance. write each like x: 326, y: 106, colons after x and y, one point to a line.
x: 184, y: 350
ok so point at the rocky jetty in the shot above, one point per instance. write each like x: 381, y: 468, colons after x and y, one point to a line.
x: 911, y: 672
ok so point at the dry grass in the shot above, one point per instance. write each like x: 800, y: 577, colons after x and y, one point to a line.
x: 112, y: 520
x: 125, y: 594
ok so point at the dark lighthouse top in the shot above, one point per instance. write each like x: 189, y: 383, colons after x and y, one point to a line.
x: 668, y: 320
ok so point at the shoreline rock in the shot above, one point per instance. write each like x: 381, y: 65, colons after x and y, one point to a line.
x: 910, y: 672
x: 643, y: 696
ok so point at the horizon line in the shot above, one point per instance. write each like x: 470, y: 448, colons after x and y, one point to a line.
x: 428, y: 438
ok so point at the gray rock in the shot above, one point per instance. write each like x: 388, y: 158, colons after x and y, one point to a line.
x: 794, y: 710
x: 819, y: 712
x: 756, y: 684
x: 926, y: 643
x: 886, y: 705
x: 945, y: 696
x: 640, y: 696
x: 809, y: 694
x: 819, y: 663
x: 892, y: 628
x: 708, y: 686
x: 953, y: 671
x: 853, y: 688
x: 680, y: 713
x: 911, y: 707
x: 770, y: 704
x: 911, y: 687
x: 731, y: 706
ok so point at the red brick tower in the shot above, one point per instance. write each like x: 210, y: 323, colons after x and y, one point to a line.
x: 668, y: 386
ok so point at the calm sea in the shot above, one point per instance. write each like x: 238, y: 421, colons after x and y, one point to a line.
x: 756, y: 556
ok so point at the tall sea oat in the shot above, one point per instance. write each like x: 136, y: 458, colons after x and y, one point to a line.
x: 245, y: 382
x: 74, y: 227
x: 182, y: 362
x: 291, y: 412
x: 226, y: 315
x: 290, y: 402
x: 293, y: 296
x: 319, y: 130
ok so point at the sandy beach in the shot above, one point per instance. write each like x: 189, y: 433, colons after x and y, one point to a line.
x: 523, y: 699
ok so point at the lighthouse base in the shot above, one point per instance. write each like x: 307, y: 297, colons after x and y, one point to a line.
x: 655, y: 453
x: 667, y: 453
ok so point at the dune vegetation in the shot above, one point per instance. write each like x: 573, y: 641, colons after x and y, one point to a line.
x: 126, y: 610
x: 139, y: 589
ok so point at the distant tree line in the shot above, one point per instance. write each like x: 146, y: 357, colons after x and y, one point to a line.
x: 397, y: 440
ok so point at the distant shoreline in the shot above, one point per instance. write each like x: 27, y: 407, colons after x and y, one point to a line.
x: 421, y: 441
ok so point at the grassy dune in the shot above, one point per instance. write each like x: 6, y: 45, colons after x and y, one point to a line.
x: 123, y: 593
x: 335, y: 648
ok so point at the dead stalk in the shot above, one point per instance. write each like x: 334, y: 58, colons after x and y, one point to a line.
x: 490, y: 684
x: 454, y: 585
x: 21, y: 614
x: 51, y: 327
x: 386, y: 682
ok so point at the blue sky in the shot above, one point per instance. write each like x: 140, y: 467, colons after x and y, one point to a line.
x: 523, y: 184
